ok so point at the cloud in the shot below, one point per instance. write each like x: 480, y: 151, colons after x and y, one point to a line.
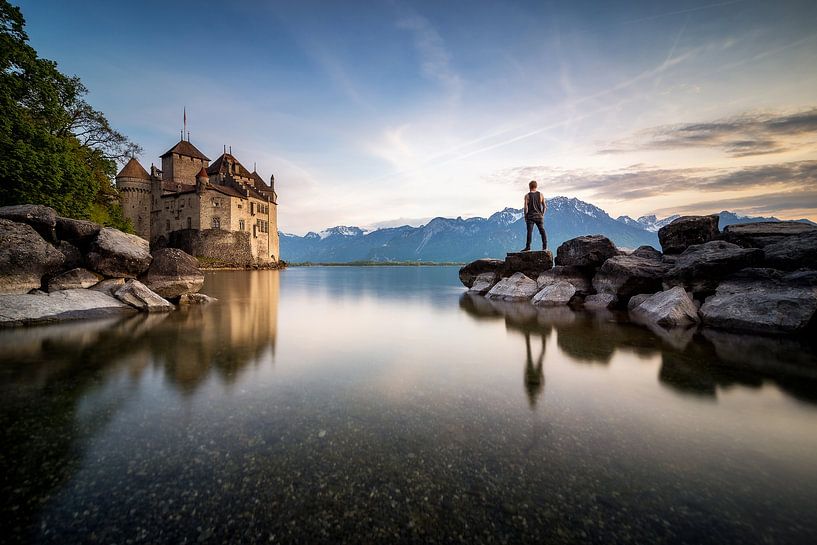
x: 435, y: 60
x: 767, y: 203
x: 747, y: 135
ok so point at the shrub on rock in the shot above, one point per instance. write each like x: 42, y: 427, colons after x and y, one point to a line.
x: 687, y: 231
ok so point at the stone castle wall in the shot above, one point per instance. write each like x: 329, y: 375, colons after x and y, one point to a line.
x: 181, y: 169
x: 136, y: 204
x: 216, y: 246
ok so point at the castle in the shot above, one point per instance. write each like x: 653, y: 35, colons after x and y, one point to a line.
x: 219, y: 211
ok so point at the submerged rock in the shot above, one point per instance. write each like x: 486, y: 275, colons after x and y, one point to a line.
x: 61, y: 305
x: 25, y: 257
x: 764, y: 301
x: 173, y: 273
x: 74, y: 279
x: 483, y: 283
x: 669, y: 308
x: 531, y: 264
x: 687, y: 231
x: 702, y: 267
x: 586, y: 251
x: 556, y: 294
x: 517, y: 287
x: 628, y: 275
x: 137, y: 295
x: 469, y: 272
x: 761, y: 234
x: 118, y: 254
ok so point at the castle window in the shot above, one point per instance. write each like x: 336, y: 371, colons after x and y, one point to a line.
x: 252, y: 208
x: 254, y: 230
x: 240, y: 225
x: 216, y: 223
x: 167, y: 225
x: 189, y: 223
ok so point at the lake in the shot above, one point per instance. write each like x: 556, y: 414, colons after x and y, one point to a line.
x: 382, y: 404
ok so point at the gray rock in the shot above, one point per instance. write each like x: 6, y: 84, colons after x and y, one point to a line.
x: 173, y: 273
x: 647, y: 252
x: 137, y: 295
x: 483, y: 283
x: 73, y: 257
x: 761, y: 234
x: 531, y: 264
x: 793, y: 252
x: 557, y: 294
x: 117, y: 254
x: 517, y: 287
x: 25, y: 257
x: 586, y: 251
x: 579, y: 277
x: 628, y: 275
x: 687, y: 231
x: 73, y: 279
x: 77, y: 231
x: 636, y: 300
x: 763, y: 300
x: 702, y: 267
x: 17, y: 310
x: 671, y: 308
x: 196, y: 299
x: 469, y: 272
x: 109, y: 286
x: 41, y: 218
x: 600, y: 301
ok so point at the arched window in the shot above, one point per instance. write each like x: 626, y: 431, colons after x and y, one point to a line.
x: 189, y: 222
x: 216, y: 223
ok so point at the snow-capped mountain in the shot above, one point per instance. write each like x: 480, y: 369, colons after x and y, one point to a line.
x: 458, y: 239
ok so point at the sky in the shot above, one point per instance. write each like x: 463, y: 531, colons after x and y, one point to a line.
x: 375, y: 113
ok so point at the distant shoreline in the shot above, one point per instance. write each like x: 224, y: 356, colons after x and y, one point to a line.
x: 377, y: 264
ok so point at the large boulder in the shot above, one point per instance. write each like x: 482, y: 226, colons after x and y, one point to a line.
x: 24, y: 257
x: 793, y: 252
x: 600, y: 301
x: 78, y: 232
x: 669, y: 308
x: 516, y: 287
x: 117, y: 254
x: 73, y: 280
x: 628, y: 275
x: 137, y: 295
x: 764, y: 301
x: 687, y: 231
x: 61, y: 305
x: 469, y: 272
x: 531, y: 264
x: 553, y: 295
x: 702, y: 267
x: 585, y: 251
x: 647, y: 251
x: 580, y: 278
x: 483, y: 283
x: 109, y: 286
x: 41, y: 218
x: 173, y: 273
x: 764, y: 233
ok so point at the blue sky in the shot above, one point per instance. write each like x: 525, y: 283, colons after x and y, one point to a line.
x: 368, y: 112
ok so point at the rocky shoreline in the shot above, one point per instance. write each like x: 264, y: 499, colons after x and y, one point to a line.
x: 54, y: 269
x: 754, y: 277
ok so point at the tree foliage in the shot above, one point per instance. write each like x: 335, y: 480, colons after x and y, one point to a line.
x: 55, y: 149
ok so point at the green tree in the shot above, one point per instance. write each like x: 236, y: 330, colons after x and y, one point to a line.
x: 55, y: 149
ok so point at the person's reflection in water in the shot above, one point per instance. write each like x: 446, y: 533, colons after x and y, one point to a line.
x: 534, y: 373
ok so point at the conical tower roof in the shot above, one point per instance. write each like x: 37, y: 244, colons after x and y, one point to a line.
x: 133, y: 169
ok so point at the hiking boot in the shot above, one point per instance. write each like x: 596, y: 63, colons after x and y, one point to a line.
x: 525, y: 250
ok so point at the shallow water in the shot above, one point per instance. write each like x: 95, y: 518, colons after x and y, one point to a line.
x: 382, y: 404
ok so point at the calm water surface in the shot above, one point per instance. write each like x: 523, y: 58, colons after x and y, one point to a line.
x: 384, y: 405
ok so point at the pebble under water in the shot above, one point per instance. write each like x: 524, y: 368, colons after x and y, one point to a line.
x: 383, y: 404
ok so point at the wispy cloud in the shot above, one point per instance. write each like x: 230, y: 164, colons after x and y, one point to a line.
x: 435, y: 59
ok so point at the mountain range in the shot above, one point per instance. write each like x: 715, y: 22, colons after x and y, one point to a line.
x: 461, y: 240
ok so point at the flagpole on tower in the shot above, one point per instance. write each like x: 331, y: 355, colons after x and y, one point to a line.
x: 185, y: 123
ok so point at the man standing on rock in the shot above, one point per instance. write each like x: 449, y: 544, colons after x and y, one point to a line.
x: 535, y: 207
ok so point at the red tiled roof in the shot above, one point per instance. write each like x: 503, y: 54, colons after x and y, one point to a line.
x: 202, y: 173
x: 219, y: 166
x: 133, y: 169
x: 187, y: 149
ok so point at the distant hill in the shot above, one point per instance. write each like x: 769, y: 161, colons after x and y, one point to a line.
x: 447, y: 239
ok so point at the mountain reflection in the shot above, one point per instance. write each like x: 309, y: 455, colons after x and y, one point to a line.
x: 695, y: 363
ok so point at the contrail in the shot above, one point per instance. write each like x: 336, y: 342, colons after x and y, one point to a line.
x: 681, y: 12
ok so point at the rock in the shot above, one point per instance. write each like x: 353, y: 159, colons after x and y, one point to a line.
x: 669, y: 308
x: 196, y: 299
x: 118, y: 254
x: 702, y: 267
x: 628, y: 275
x: 483, y: 283
x: 557, y: 294
x: 600, y: 301
x: 73, y: 279
x: 16, y: 310
x: 763, y: 301
x: 636, y: 300
x: 41, y: 218
x: 764, y: 233
x: 470, y: 272
x: 137, y: 295
x: 793, y: 252
x: 579, y: 277
x: 531, y: 264
x: 78, y: 232
x: 586, y: 251
x: 24, y: 257
x: 687, y: 231
x: 109, y: 286
x: 73, y: 257
x: 647, y: 252
x: 517, y: 287
x: 173, y: 273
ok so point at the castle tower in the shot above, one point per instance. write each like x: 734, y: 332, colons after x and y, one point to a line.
x: 133, y: 184
x: 182, y: 162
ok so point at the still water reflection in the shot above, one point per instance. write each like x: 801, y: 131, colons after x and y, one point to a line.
x: 361, y: 404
